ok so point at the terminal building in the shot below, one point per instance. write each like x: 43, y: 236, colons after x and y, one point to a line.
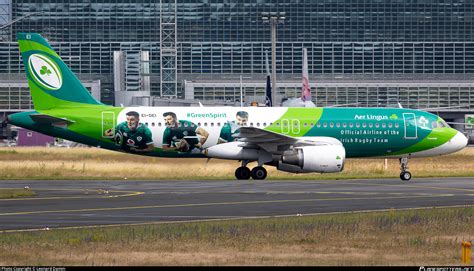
x: 361, y: 53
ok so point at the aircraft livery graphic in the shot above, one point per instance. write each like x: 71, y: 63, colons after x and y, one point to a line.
x: 291, y: 139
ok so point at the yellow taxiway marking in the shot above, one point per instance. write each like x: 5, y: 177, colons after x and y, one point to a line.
x: 91, y: 196
x: 232, y: 218
x: 213, y: 204
x: 357, y: 182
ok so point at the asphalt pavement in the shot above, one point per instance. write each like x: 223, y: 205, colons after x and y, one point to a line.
x: 68, y: 203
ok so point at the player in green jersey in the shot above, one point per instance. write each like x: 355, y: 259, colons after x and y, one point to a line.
x: 231, y: 128
x: 132, y: 135
x: 182, y: 135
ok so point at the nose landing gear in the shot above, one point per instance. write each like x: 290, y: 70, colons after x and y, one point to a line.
x: 405, y: 175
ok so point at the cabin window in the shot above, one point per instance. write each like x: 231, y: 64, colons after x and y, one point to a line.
x: 344, y: 124
x: 364, y: 125
x: 146, y: 123
x: 199, y: 124
x: 396, y: 125
x: 358, y: 125
x: 390, y: 125
x: 377, y: 125
x: 153, y: 124
x: 277, y: 124
x: 159, y: 124
x: 331, y: 124
x: 185, y: 124
x: 251, y: 124
x: 212, y: 124
x: 384, y: 125
x: 318, y: 125
x: 179, y: 124
x: 312, y: 124
x: 264, y: 124
x: 192, y: 124
x: 205, y: 124
x: 351, y: 125
x: 218, y: 124
x: 371, y: 125
x: 305, y: 124
x: 270, y: 124
x: 325, y: 125
x: 338, y: 125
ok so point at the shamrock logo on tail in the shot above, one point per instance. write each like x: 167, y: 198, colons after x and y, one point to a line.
x: 44, y: 70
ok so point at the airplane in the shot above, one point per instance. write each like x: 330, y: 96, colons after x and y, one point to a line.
x: 297, y: 140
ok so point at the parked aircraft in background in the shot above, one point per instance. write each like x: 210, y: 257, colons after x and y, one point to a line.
x: 305, y: 99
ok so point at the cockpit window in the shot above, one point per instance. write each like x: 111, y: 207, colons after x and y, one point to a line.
x: 442, y: 124
x: 434, y: 124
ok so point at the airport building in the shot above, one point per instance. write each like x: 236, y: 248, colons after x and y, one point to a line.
x: 365, y: 53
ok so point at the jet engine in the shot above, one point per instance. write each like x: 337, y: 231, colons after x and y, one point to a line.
x: 323, y: 159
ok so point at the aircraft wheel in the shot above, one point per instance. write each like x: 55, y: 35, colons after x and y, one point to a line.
x: 242, y: 173
x: 259, y: 173
x: 405, y: 175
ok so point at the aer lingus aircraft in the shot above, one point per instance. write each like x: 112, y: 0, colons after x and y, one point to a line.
x: 295, y: 140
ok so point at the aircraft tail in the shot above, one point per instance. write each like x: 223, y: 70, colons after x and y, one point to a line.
x: 52, y: 84
x: 268, y: 87
x: 305, y: 90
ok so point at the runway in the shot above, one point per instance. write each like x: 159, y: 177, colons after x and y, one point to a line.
x: 62, y: 204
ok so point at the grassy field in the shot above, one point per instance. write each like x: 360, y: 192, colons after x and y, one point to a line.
x: 93, y: 163
x: 15, y: 193
x: 413, y: 237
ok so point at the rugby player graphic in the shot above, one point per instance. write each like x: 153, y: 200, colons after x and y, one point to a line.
x: 182, y: 135
x: 131, y: 135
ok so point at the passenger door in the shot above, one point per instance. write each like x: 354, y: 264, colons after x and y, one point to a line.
x: 411, y: 129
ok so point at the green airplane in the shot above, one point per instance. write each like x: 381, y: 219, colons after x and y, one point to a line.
x: 298, y: 140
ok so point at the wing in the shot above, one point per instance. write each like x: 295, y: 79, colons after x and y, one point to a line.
x: 255, y: 138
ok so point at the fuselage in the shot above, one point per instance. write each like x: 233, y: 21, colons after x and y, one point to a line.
x: 364, y: 132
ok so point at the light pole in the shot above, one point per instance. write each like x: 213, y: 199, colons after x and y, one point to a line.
x: 273, y: 18
x: 19, y: 19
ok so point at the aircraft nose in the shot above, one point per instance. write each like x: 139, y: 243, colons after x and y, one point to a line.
x: 458, y: 142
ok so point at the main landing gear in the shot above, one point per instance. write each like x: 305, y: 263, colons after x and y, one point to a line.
x: 405, y: 175
x: 244, y: 173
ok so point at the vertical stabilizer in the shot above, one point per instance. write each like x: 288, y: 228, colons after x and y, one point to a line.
x: 268, y: 88
x: 305, y: 89
x: 51, y: 82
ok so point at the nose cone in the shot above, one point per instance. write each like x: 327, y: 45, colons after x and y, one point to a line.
x: 458, y: 142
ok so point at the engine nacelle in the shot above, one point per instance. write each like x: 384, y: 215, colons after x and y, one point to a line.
x: 323, y: 159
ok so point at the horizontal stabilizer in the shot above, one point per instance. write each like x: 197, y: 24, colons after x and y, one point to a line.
x: 47, y: 119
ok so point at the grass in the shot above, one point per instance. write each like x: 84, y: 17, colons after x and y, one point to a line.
x: 15, y: 193
x: 93, y: 163
x: 410, y: 237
